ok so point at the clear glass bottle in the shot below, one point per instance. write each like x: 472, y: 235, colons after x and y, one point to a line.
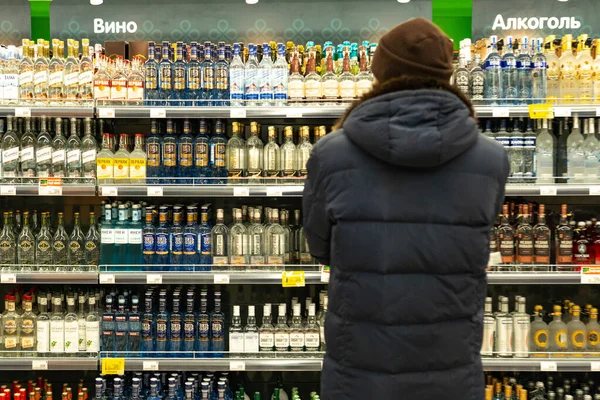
x: 56, y: 74
x: 8, y: 245
x: 165, y: 77
x: 193, y: 77
x: 89, y: 148
x: 303, y: 151
x: 179, y: 87
x: 266, y: 332
x: 11, y: 77
x: 169, y: 154
x: 59, y: 152
x: 576, y: 154
x: 524, y: 73
x: 238, y: 241
x: 121, y: 161
x: 151, y: 91
x: 27, y: 328
x: 43, y: 245
x: 71, y: 72
x: 27, y: 155
x: 221, y: 91
x: 279, y: 77
x: 591, y: 147
x: 282, y: 331
x: 322, y: 319
x: 60, y: 243
x: 477, y: 81
x: 207, y: 67
x: 256, y: 233
x: 40, y: 76
x: 236, y: 155
x: 236, y: 334
x: 108, y: 326
x: 557, y: 330
x: 539, y: 335
x: 312, y: 340
x: 57, y: 326
x: 71, y: 328
x: 10, y: 328
x: 218, y: 154
x: 493, y: 74
x: 312, y: 81
x: 504, y: 331
x: 105, y: 161
x: 545, y: 145
x: 330, y: 83
x: 251, y: 341
x: 237, y: 78
x: 86, y: 72
x: 364, y: 79
x: 43, y: 151
x: 593, y: 332
x: 295, y: 81
x: 73, y: 150
x: 521, y: 327
x: 274, y: 241
x: 92, y: 244
x: 26, y: 73
x: 26, y: 246
x: 10, y: 153
x: 265, y: 72
x: 185, y: 154
x: 219, y: 240
x: 42, y: 336
x: 288, y: 161
x: 489, y: 330
x: 76, y: 252
x: 271, y: 155
x: 539, y: 79
x: 568, y: 72
x: 297, y: 331
x: 576, y: 333
x: 251, y: 77
x: 118, y: 83
x: 254, y: 153
x: 347, y: 81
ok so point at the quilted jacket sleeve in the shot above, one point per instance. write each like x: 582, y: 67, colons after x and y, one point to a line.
x: 317, y: 226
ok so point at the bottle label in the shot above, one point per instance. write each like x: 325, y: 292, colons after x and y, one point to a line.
x: 82, y: 332
x: 40, y: 78
x: 593, y: 337
x: 540, y: 338
x: 101, y: 89
x: 151, y: 74
x: 27, y: 154
x: 220, y: 245
x: 208, y: 78
x: 43, y: 336
x: 347, y: 89
x: 185, y: 154
x: 222, y: 78
x: 202, y: 155
x: 107, y: 236
x: 267, y: 340
x: 9, y: 155
x: 282, y: 341
x: 161, y: 330
x: 74, y: 156
x: 312, y: 341
x: 162, y: 244
x: 565, y: 248
x: 121, y: 236
x: 521, y: 336
x: 313, y: 89
x: 135, y: 236
x: 169, y: 154
x: 504, y: 330
x: 177, y: 243
x: 507, y: 248
x: 525, y: 248
x: 297, y: 341
x: 203, y: 330
x: 105, y: 168
x: 147, y: 329
x: 71, y: 336
x: 175, y: 330
x: 541, y: 247
x: 92, y: 336
x: 251, y: 342
x: 57, y: 336
x: 330, y: 89
x: 189, y: 332
x: 217, y: 329
x: 296, y: 89
x: 137, y: 168
x: 85, y: 77
x: 217, y: 154
x: 121, y: 168
x: 189, y: 244
x: 56, y: 78
x: 153, y: 150
x: 25, y: 78
x: 363, y: 86
x: 193, y: 78
x: 88, y: 156
x: 205, y: 244
x: 72, y: 79
x: 560, y: 338
x: 236, y: 342
x: 43, y: 154
x: 58, y: 156
x: 149, y: 245
x: 135, y: 90
x: 118, y: 89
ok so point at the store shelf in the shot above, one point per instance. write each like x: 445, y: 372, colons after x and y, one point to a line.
x: 557, y: 364
x: 558, y: 189
x: 50, y: 363
x: 33, y: 189
x: 225, y: 364
x: 312, y: 277
x: 583, y: 110
x: 76, y: 278
x: 80, y: 111
x: 534, y: 278
x: 200, y: 190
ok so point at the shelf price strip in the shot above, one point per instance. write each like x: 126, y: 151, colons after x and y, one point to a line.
x: 590, y: 275
x: 39, y: 365
x: 548, y: 366
x: 150, y: 366
x: 237, y: 365
x: 50, y: 187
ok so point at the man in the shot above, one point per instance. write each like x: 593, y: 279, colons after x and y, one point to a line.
x: 399, y: 202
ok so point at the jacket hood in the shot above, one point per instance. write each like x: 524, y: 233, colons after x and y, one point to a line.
x: 412, y: 123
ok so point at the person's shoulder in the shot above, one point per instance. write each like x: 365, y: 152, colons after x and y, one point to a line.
x: 331, y: 142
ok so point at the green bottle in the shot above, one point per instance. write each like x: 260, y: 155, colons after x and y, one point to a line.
x: 256, y: 396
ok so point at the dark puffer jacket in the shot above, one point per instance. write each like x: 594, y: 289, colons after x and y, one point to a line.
x: 399, y: 202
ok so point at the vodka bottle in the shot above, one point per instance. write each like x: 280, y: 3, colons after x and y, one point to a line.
x: 265, y: 77
x: 545, y: 156
x: 254, y: 153
x: 219, y: 240
x: 538, y: 336
x: 529, y: 153
x: 596, y: 75
x: 282, y: 331
x: 92, y: 328
x: 26, y: 246
x: 162, y: 323
x: 88, y: 153
x: 251, y: 77
x: 185, y: 154
x: 10, y: 153
x: 208, y: 78
x: 288, y: 160
x: 493, y: 75
x: 71, y: 72
x: 205, y: 242
x: 121, y: 160
x: 81, y: 315
x: 118, y: 83
x: 8, y: 246
x: 593, y: 332
x: 553, y: 72
x: 201, y: 153
x: 504, y: 330
x: 236, y: 78
x: 275, y: 241
x: 576, y: 154
x: 221, y: 91
x: 510, y: 80
x: 271, y: 155
x: 86, y: 72
x: 557, y: 330
x: 59, y: 152
x: 236, y: 333
x: 108, y: 326
x: 524, y: 74
x: 576, y: 333
x: 56, y: 74
x: 322, y: 319
x: 521, y: 326
x: 10, y: 328
x: 165, y: 76
x: 105, y: 161
x: 11, y: 77
x: 193, y: 77
x: 489, y: 330
x: 251, y: 341
x: 461, y: 76
x: 568, y: 72
x: 92, y: 243
x: 76, y: 252
x: 175, y: 328
x: 42, y: 336
x: 134, y: 328
x: 28, y: 143
x: 218, y: 154
x: 43, y: 245
x: 303, y: 150
x: 279, y: 77
x: 297, y: 331
x: 584, y: 71
x: 236, y: 154
x: 266, y: 332
x: 256, y: 244
x: 26, y: 72
x: 217, y: 324
x: 515, y: 152
x: 71, y: 327
x: 538, y: 77
x: 591, y: 151
x: 151, y: 89
x: 176, y: 237
x: 43, y: 151
x: 179, y: 87
x: 40, y: 76
x: 153, y: 153
x: 60, y: 243
x: 73, y: 151
x: 57, y: 326
x: 238, y: 241
x: 27, y: 328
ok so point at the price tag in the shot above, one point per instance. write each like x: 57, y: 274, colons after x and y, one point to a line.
x: 548, y: 190
x: 495, y: 258
x: 590, y: 275
x: 113, y: 366
x: 548, y: 366
x: 50, y: 187
x: 325, y: 273
x: 541, y: 111
x: 293, y: 113
x: 8, y: 278
x: 562, y: 111
x: 221, y: 279
x: 237, y: 365
x: 274, y: 191
x: 8, y: 190
x: 237, y: 113
x: 595, y: 366
x: 110, y: 191
x: 241, y: 191
x: 107, y: 279
x: 321, y: 364
x: 155, y: 279
x: 594, y: 190
x: 293, y: 279
x: 39, y: 364
x: 598, y: 112
x: 500, y: 112
x: 150, y: 366
x: 106, y: 112
x: 155, y: 191
x: 158, y: 113
x: 23, y: 112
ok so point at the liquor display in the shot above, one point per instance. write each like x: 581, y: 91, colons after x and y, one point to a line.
x: 552, y: 388
x: 180, y: 238
x: 38, y: 324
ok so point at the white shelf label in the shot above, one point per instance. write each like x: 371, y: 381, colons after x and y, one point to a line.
x: 237, y: 365
x: 221, y: 279
x: 8, y: 278
x: 150, y: 366
x: 106, y: 112
x: 548, y: 366
x: 562, y: 111
x: 242, y: 191
x: 39, y: 364
x: 595, y: 366
x: 155, y: 279
x: 500, y: 112
x: 274, y: 191
x: 50, y: 187
x: 107, y: 279
x: 321, y: 364
x: 237, y: 113
x: 598, y: 112
x: 548, y: 190
x: 495, y: 258
x: 594, y: 190
x: 155, y: 191
x: 590, y: 275
x: 110, y: 191
x: 293, y: 113
x: 158, y: 113
x: 23, y: 112
x: 8, y: 190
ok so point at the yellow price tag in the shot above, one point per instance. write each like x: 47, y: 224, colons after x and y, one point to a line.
x: 113, y: 366
x: 541, y: 111
x: 292, y: 279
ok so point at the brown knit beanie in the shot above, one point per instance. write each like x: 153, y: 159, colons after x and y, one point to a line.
x: 416, y: 47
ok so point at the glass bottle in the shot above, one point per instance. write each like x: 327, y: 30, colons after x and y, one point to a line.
x: 176, y: 239
x: 151, y: 91
x: 271, y: 155
x: 274, y: 241
x: 59, y: 146
x: 40, y: 76
x: 493, y: 74
x: 256, y: 244
x: 254, y: 153
x: 590, y: 148
x: 303, y: 151
x: 60, y: 243
x: 219, y: 240
x: 121, y: 161
x: 201, y: 153
x: 73, y: 149
x: 521, y: 327
x: 236, y: 333
x: 42, y: 336
x: 56, y: 74
x: 10, y: 153
x: 564, y: 242
x: 207, y: 68
x: 539, y: 79
x: 221, y: 91
x: 265, y: 73
x: 295, y: 82
x: 524, y: 243
x: 154, y: 154
x: 193, y: 77
x: 165, y: 77
x: 105, y: 161
x: 576, y: 333
x: 545, y: 155
x: 593, y: 332
x: 8, y: 245
x: 92, y: 242
x: 88, y: 153
x: 347, y: 81
x: 27, y: 328
x: 108, y: 326
x: 218, y: 152
x: 26, y: 73
x: 169, y: 154
x: 282, y: 331
x: 162, y: 238
x: 76, y: 252
x: 364, y: 79
x: 524, y: 73
x: 57, y: 326
x: 10, y: 328
x: 541, y: 242
x: 204, y: 240
x: 179, y: 87
x: 539, y: 335
x: 27, y: 155
x: 266, y: 332
x: 137, y: 161
x: 26, y: 246
x: 236, y: 154
x: 185, y: 150
x: 238, y: 241
x: 251, y: 77
x: 489, y: 330
x: 237, y: 78
x: 279, y: 77
x: 71, y: 72
x: 297, y: 331
x: 71, y: 328
x: 217, y: 326
x: 506, y: 237
x: 504, y: 331
x: 330, y: 82
x: 576, y: 154
x: 251, y: 335
x: 43, y: 248
x: 568, y: 71
x: 86, y: 72
x: 288, y: 154
x: 149, y: 239
x: 312, y: 81
x: 557, y: 332
x: 43, y: 151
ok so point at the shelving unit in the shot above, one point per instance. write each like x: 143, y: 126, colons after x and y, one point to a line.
x: 49, y: 363
x: 557, y: 364
x: 33, y: 189
x: 83, y: 110
x: 290, y: 363
x: 50, y: 278
x: 199, y: 190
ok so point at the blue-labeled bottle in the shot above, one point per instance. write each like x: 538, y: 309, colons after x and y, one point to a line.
x: 218, y: 150
x: 148, y: 332
x: 135, y: 328
x: 176, y: 239
x: 186, y: 155
x: 207, y: 67
x: 204, y: 331
x: 236, y: 78
x: 107, y: 238
x: 538, y: 67
x: 265, y: 70
x: 151, y: 77
x: 135, y: 247
x: 524, y: 74
x: 121, y: 328
x: 121, y: 239
x: 162, y: 326
x: 189, y: 327
x: 169, y: 155
x: 193, y: 77
x: 221, y: 96
x: 190, y: 240
x: 165, y: 76
x: 149, y: 241
x: 279, y: 77
x: 179, y: 72
x: 493, y: 74
x: 202, y: 167
x: 175, y: 329
x: 162, y: 240
x: 153, y: 155
x: 217, y: 324
x: 204, y: 242
x: 108, y: 327
x: 251, y: 80
x: 509, y: 75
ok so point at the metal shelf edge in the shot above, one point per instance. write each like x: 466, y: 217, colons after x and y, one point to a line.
x: 225, y: 364
x: 541, y: 278
x: 535, y: 364
x: 54, y: 364
x: 255, y: 278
